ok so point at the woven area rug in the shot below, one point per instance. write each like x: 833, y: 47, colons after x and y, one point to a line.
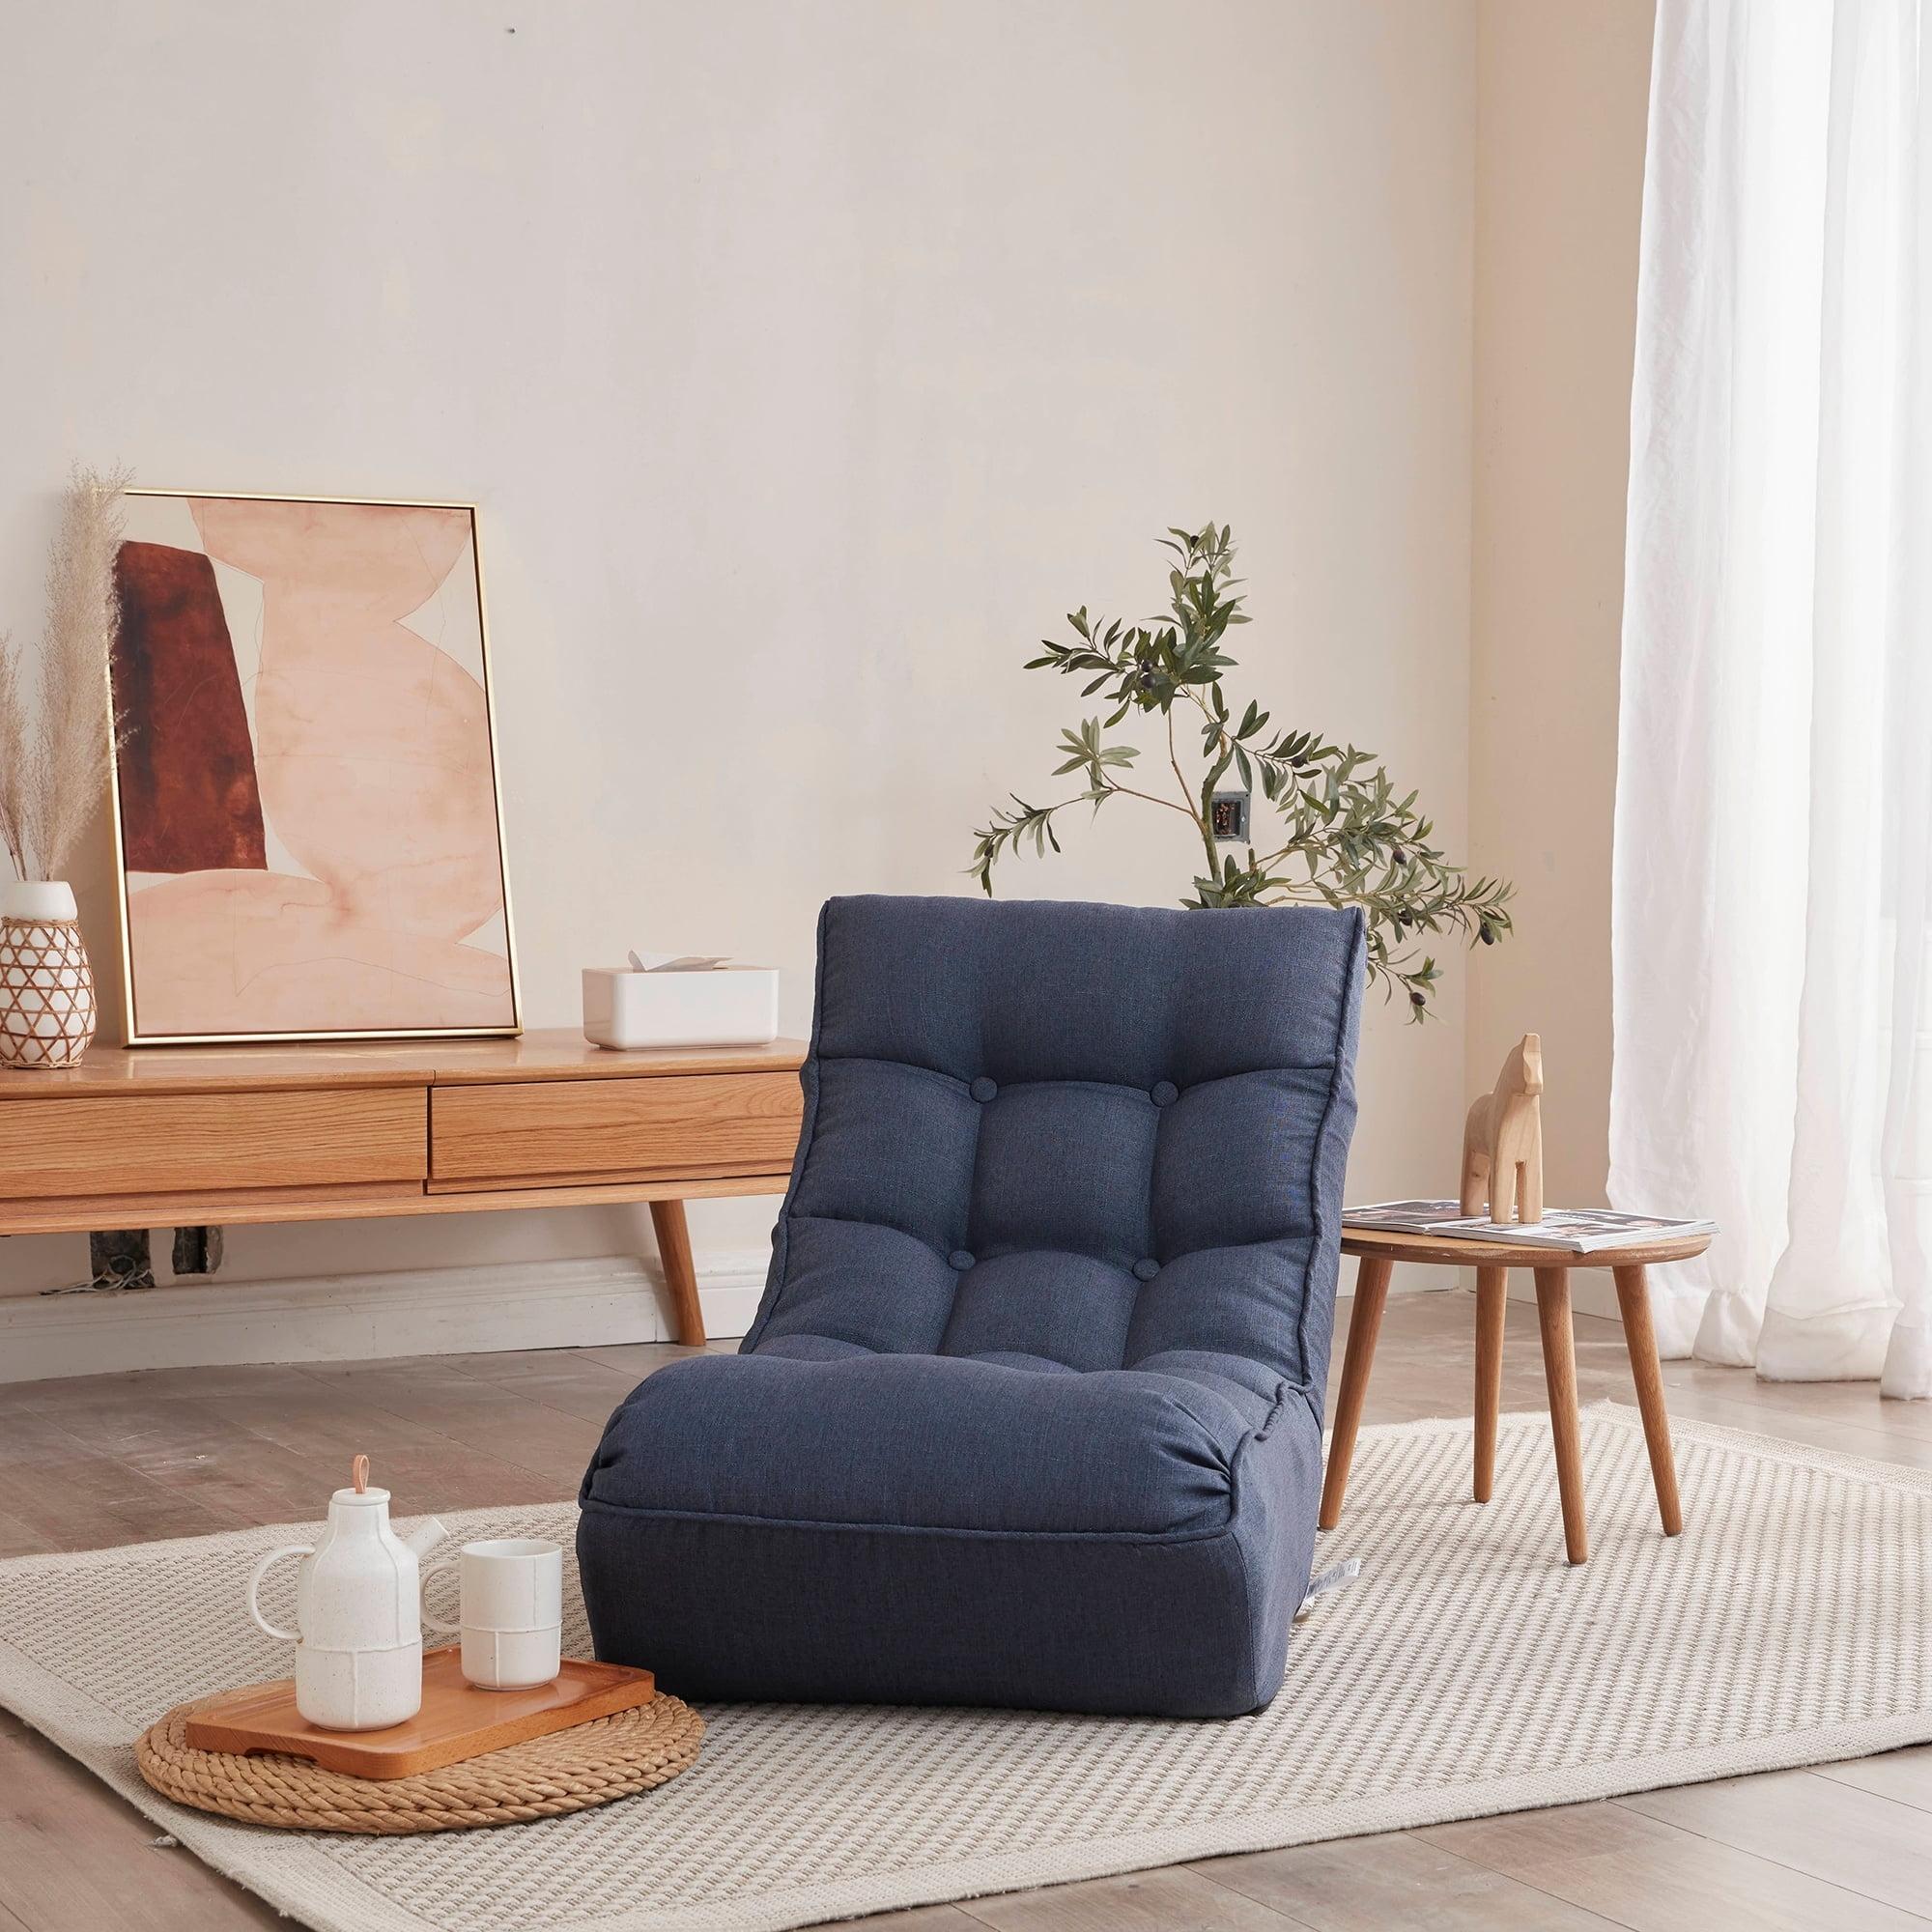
x: 1470, y: 1670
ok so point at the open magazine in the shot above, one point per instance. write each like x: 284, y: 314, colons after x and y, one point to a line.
x: 1576, y: 1231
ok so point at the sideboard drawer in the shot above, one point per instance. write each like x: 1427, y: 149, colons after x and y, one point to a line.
x: 185, y: 1142
x: 671, y: 1125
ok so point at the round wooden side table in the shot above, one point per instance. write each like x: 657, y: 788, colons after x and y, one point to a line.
x: 1379, y: 1251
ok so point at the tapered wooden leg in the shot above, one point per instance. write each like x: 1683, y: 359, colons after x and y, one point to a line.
x: 1641, y: 1339
x: 1491, y: 1305
x: 1560, y: 1372
x: 1372, y: 1280
x: 680, y: 1274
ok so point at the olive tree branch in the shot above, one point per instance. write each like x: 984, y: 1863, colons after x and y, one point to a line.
x: 1355, y: 840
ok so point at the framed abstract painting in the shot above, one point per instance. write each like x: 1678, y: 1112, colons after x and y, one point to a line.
x: 306, y: 809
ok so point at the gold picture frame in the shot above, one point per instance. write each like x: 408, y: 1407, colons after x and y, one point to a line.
x: 138, y: 936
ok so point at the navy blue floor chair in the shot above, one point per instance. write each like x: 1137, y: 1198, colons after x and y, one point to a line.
x: 1030, y: 1413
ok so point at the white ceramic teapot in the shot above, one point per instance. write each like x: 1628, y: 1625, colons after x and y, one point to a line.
x: 358, y: 1612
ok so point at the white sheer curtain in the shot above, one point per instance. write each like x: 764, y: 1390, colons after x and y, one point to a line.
x: 1773, y: 1003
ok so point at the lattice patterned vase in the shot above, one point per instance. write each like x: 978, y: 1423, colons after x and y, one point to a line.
x: 46, y: 987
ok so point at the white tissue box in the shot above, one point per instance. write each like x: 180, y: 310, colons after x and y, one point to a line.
x: 730, y: 1006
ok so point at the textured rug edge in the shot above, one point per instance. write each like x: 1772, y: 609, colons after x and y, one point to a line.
x: 224, y: 1846
x: 67, y: 1721
x: 1266, y: 1831
x: 296, y: 1879
x: 1627, y: 1416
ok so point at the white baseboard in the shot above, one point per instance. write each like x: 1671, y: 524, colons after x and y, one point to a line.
x: 1412, y: 1278
x: 455, y: 1311
x: 1591, y: 1289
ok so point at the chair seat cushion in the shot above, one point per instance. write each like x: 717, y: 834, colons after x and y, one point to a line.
x: 833, y: 1524
x: 828, y: 1433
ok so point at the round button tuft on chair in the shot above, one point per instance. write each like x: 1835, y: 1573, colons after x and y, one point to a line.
x: 959, y: 1258
x: 1146, y: 1270
x: 983, y: 1089
x: 1164, y: 1092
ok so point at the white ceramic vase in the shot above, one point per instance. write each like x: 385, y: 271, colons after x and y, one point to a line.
x: 46, y: 987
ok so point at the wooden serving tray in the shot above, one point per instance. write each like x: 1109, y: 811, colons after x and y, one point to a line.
x: 456, y: 1721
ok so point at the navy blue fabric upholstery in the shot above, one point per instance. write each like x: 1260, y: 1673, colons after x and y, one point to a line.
x: 1031, y: 1411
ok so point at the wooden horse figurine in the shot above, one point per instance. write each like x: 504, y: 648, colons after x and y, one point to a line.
x: 1502, y: 1141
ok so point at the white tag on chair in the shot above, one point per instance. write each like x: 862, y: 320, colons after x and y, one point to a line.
x: 1338, y: 1576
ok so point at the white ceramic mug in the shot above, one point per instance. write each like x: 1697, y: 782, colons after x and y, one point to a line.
x: 511, y: 1614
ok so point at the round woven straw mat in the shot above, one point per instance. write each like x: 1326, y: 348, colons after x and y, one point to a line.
x: 567, y: 1771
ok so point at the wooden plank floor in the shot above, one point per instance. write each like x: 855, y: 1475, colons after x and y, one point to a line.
x: 119, y: 1459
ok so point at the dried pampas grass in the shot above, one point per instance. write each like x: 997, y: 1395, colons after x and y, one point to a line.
x: 56, y: 751
x: 13, y: 780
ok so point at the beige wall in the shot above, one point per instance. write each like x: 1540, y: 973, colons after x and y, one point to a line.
x: 805, y: 361
x: 1561, y: 94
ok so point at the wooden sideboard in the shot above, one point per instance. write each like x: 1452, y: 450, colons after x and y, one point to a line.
x: 214, y: 1136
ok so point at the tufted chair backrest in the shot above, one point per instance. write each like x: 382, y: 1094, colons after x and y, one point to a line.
x: 1071, y: 1137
